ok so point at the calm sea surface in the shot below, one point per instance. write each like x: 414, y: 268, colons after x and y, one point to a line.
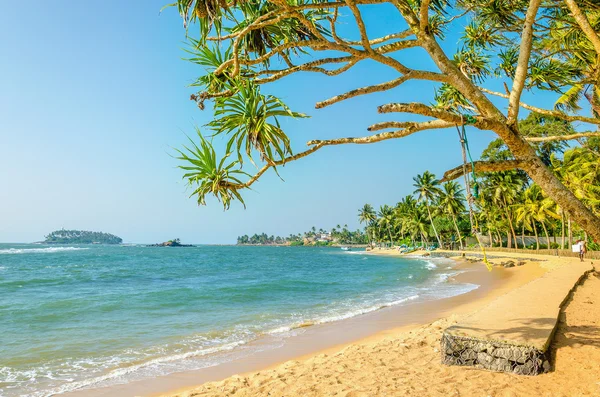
x: 86, y: 316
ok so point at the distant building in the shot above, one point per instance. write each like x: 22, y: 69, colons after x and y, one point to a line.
x: 324, y: 237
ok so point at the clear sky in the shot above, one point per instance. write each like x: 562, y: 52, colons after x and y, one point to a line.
x: 94, y: 94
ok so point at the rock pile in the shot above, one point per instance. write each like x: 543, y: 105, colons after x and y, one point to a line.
x: 495, y: 356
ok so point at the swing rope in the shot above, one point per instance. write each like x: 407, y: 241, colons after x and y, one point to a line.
x: 462, y: 134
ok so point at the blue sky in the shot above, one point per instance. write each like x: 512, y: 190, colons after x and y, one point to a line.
x: 93, y: 96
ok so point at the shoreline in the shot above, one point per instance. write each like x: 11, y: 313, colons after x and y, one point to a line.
x: 330, y: 337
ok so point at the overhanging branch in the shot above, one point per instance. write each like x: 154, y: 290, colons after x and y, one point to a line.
x: 409, y: 128
x: 482, y: 166
x: 555, y: 113
x: 563, y: 137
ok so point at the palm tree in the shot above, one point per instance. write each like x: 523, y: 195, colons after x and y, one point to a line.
x: 366, y: 215
x: 451, y: 202
x: 536, y: 208
x: 426, y: 191
x: 504, y: 188
x: 386, y: 219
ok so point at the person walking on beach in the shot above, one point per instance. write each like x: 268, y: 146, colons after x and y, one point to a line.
x: 582, y: 249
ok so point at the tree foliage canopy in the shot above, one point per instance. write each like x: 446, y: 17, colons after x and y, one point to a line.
x: 522, y: 45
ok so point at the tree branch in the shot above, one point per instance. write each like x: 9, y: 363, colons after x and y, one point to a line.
x: 481, y: 122
x: 409, y: 128
x: 363, y: 91
x: 563, y: 137
x: 523, y: 62
x: 546, y: 112
x: 424, y: 14
x: 482, y: 166
x: 364, y: 38
x: 584, y: 24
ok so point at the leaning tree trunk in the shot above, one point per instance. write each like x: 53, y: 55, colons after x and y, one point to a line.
x: 491, y: 239
x: 537, y: 238
x: 432, y: 225
x: 551, y: 185
x: 509, y: 218
x: 457, y: 231
x: 523, y: 235
x: 546, y: 233
x: 508, y: 130
x: 562, y: 232
x: 570, y: 232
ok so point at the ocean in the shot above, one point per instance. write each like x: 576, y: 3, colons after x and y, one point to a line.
x: 74, y: 317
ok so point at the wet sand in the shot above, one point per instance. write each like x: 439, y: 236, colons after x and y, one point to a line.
x: 332, y: 337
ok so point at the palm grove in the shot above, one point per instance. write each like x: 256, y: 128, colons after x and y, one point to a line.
x: 508, y: 47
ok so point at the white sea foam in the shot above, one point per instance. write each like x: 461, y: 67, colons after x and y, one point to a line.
x: 122, y: 372
x: 430, y: 265
x: 39, y: 250
x: 355, y: 252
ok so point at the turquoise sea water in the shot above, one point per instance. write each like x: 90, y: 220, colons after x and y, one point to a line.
x: 86, y: 316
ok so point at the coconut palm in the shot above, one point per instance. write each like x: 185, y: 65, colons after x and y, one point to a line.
x: 386, y: 219
x: 427, y: 191
x: 451, y: 202
x: 366, y: 215
x: 504, y: 189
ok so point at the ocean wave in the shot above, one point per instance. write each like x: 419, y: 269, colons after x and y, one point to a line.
x: 39, y: 250
x: 355, y: 252
x: 343, y: 316
x: 430, y: 265
x: 118, y: 373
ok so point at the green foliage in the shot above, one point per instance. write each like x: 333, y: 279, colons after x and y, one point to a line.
x: 537, y: 125
x: 206, y: 175
x: 81, y: 237
x: 312, y: 237
x: 250, y: 119
x: 280, y: 41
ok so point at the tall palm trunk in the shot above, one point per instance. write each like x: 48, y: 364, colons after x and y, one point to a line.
x: 499, y: 239
x: 546, y: 233
x: 562, y: 226
x: 390, y: 233
x: 537, y: 239
x: 570, y: 231
x: 432, y: 225
x: 523, y: 235
x: 510, y: 223
x: 457, y: 231
x: 491, y: 239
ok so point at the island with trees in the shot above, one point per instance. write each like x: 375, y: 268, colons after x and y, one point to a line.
x: 336, y: 236
x: 171, y: 243
x: 81, y: 237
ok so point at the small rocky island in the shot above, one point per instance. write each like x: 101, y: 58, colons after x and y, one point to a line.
x: 81, y: 237
x: 171, y: 243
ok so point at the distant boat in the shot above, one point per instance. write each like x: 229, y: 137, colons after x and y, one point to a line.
x: 346, y: 249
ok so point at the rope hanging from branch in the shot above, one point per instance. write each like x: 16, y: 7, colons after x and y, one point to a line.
x: 471, y: 197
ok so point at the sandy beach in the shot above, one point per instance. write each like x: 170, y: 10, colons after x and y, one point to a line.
x: 405, y: 360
